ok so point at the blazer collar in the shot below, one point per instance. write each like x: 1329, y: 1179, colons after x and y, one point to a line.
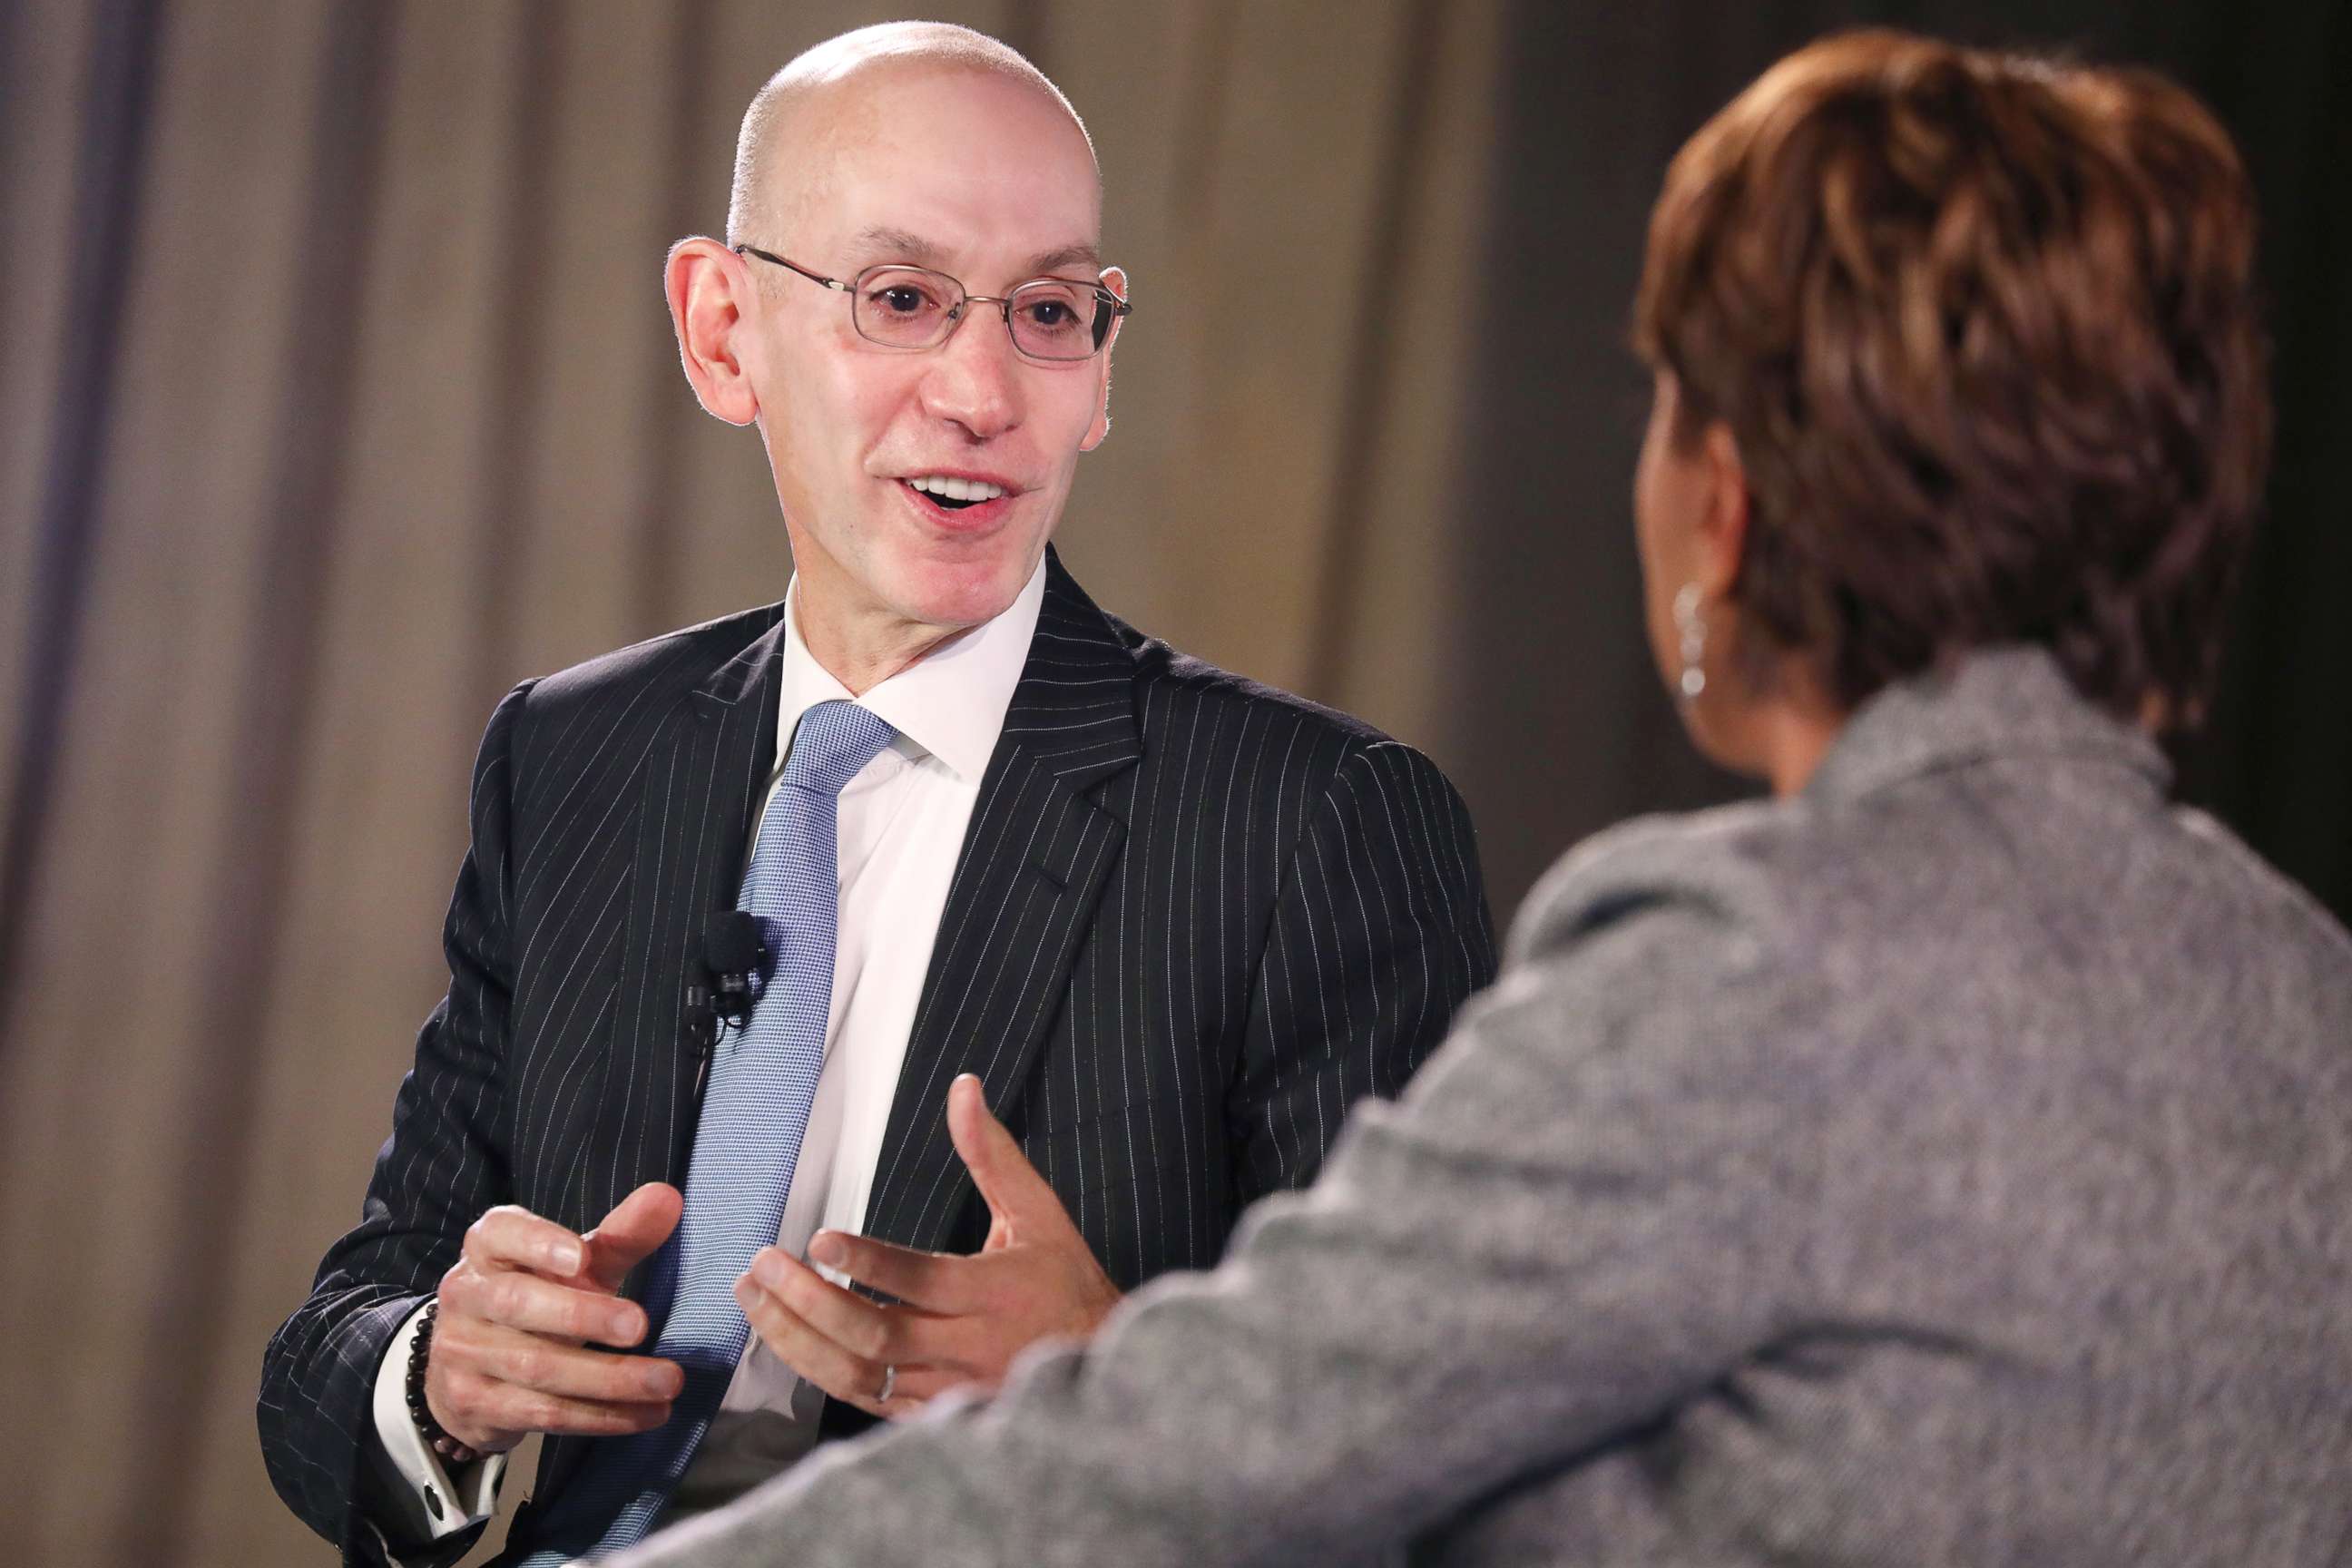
x: 1041, y: 847
x: 752, y: 673
x: 1992, y: 705
x: 1074, y: 711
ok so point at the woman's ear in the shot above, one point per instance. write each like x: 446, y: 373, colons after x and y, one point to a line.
x: 1723, y: 519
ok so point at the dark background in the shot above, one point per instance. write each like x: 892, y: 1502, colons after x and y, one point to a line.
x: 1599, y: 97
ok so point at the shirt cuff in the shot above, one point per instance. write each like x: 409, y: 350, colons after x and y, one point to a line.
x: 435, y: 1498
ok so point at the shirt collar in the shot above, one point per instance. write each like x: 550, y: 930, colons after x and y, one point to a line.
x: 948, y: 704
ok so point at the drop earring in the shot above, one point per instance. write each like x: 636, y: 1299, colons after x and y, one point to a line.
x: 1691, y: 627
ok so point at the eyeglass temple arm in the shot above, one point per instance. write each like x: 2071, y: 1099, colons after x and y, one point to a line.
x: 833, y: 283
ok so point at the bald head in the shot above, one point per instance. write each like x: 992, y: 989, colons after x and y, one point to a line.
x: 805, y: 105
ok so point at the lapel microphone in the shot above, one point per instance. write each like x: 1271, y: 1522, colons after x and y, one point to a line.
x: 732, y: 951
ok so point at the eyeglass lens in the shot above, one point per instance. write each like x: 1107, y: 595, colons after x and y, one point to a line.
x: 911, y: 308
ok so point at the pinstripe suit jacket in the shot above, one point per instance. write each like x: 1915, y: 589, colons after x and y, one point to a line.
x: 1193, y: 919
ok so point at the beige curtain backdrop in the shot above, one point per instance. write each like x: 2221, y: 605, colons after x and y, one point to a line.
x: 392, y: 419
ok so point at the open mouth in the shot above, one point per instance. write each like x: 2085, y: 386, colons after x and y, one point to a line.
x: 953, y: 494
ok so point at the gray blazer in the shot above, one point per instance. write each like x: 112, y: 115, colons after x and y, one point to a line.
x: 1952, y: 1164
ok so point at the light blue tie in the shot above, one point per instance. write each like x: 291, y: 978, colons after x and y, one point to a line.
x: 749, y: 1139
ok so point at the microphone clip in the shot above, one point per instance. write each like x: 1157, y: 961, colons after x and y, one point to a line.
x: 733, y: 949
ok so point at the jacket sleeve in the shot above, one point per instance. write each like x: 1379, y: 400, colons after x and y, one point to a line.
x: 1380, y: 933
x: 1548, y: 1239
x: 445, y: 1163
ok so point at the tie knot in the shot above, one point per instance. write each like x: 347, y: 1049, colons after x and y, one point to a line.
x: 834, y: 741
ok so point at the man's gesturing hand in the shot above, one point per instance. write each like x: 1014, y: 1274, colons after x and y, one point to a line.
x: 511, y: 1352
x: 962, y: 1320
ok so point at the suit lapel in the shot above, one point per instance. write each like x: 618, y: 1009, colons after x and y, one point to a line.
x: 693, y: 822
x: 1034, y: 862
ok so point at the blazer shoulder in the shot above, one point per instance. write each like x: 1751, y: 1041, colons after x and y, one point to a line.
x: 656, y: 670
x: 1173, y: 689
x: 2281, y: 918
x: 1179, y: 684
x: 1728, y: 868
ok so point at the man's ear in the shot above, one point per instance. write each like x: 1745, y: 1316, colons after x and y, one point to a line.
x: 1723, y: 523
x: 1116, y: 282
x: 709, y: 288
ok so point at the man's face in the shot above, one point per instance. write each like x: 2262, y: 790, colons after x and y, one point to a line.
x: 989, y: 182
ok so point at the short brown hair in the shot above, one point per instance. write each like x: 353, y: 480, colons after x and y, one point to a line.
x: 1984, y: 328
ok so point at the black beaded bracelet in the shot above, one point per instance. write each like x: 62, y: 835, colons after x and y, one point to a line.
x: 420, y: 1350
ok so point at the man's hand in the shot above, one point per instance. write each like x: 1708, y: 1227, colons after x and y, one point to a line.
x: 510, y: 1353
x: 962, y: 1320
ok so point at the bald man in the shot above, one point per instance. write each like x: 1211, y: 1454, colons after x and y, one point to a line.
x: 848, y: 993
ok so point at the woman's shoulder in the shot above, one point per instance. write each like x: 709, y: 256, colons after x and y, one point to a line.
x: 1730, y: 867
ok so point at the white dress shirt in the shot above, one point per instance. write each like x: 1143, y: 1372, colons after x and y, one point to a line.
x: 901, y: 824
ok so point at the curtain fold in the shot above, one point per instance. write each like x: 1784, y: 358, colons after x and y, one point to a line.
x: 391, y: 418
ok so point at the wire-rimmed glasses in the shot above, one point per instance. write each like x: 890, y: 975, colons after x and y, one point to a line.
x: 1056, y: 321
